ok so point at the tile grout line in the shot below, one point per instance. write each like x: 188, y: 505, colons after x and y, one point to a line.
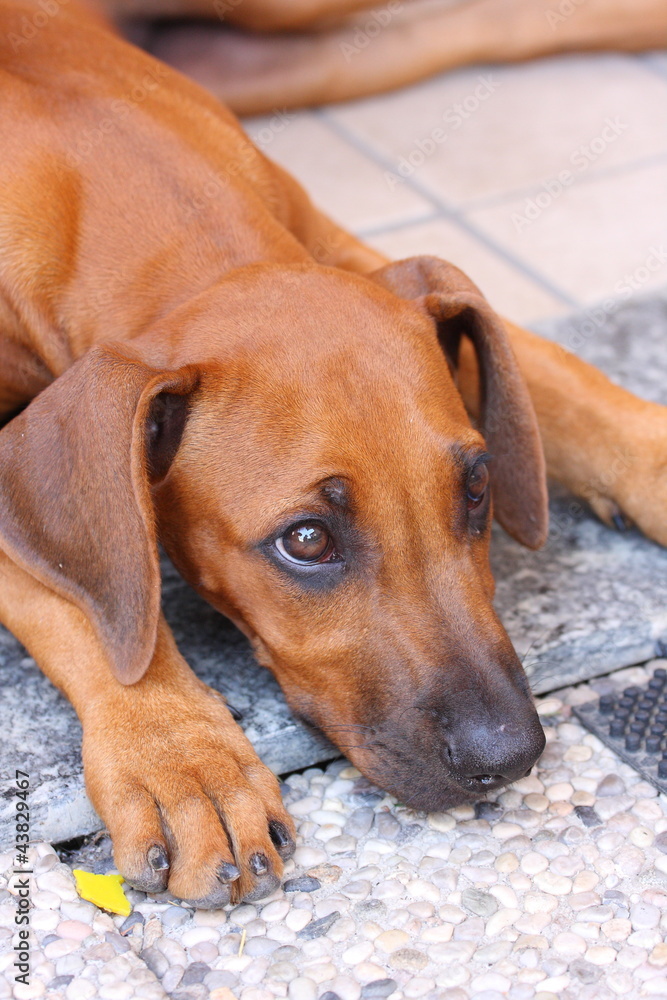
x: 452, y: 214
x: 374, y: 229
x: 368, y: 232
x: 468, y: 226
x: 587, y: 177
x: 647, y: 63
x: 381, y: 161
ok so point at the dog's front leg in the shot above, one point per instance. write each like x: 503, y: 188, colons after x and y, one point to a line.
x: 600, y: 441
x: 189, y: 805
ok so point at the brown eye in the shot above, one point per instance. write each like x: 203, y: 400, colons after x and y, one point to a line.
x: 305, y: 543
x: 478, y: 482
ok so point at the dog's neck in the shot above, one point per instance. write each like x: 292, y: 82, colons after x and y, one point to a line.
x: 146, y: 194
x: 104, y: 302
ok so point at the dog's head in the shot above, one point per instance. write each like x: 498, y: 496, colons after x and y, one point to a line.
x: 314, y: 475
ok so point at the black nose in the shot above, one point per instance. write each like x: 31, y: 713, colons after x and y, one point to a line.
x: 486, y: 754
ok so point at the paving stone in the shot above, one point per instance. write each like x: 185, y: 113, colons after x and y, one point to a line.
x: 155, y: 961
x: 491, y: 811
x: 611, y: 785
x: 135, y: 919
x: 195, y: 973
x: 378, y: 989
x: 387, y: 826
x: 478, y: 902
x: 318, y: 928
x: 360, y: 821
x: 60, y: 982
x: 587, y: 815
x: 305, y: 883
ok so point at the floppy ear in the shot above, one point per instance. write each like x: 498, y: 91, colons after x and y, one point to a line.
x: 75, y: 505
x: 507, y: 418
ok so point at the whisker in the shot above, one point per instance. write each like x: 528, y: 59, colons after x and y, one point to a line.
x: 351, y: 732
x: 349, y: 725
x: 355, y: 746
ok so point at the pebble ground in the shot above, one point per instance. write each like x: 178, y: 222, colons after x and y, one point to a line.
x: 554, y: 889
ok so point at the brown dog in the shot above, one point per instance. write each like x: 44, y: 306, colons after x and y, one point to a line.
x: 199, y: 358
x: 258, y: 55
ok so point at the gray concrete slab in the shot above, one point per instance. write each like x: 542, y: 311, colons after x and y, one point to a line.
x: 591, y: 601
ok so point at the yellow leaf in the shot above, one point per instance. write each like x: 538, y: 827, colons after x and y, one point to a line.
x: 103, y: 890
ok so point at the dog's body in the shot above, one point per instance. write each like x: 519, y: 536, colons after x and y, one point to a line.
x: 258, y: 55
x: 199, y: 356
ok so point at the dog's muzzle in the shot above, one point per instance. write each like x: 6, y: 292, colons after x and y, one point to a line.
x: 444, y: 752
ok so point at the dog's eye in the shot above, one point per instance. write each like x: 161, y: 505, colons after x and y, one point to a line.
x: 306, y: 543
x: 478, y: 482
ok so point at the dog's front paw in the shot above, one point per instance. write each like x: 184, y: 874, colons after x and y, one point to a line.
x: 190, y: 807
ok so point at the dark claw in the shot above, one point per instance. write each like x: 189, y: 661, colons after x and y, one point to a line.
x: 228, y: 872
x: 620, y: 522
x: 266, y: 880
x: 235, y: 713
x: 281, y: 838
x: 157, y: 858
x: 155, y: 874
x: 259, y: 864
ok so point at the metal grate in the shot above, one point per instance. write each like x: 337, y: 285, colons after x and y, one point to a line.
x: 634, y: 724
